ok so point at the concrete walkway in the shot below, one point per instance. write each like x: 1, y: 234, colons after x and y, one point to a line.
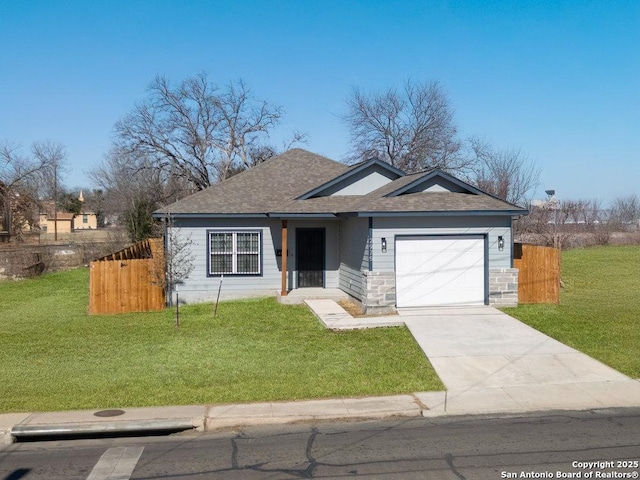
x: 491, y: 362
x: 334, y: 317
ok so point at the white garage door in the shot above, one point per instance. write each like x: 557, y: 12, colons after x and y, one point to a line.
x: 440, y: 270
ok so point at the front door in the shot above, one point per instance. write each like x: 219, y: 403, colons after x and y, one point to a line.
x: 310, y: 257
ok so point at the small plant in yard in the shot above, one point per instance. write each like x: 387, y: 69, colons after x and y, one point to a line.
x: 178, y: 263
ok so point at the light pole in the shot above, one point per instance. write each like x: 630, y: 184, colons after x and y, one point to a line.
x: 552, y: 203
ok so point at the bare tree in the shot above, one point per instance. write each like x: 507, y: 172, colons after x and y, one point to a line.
x: 22, y: 179
x: 178, y: 261
x: 261, y: 153
x: 52, y: 156
x: 587, y: 213
x: 196, y: 130
x: 133, y: 189
x: 28, y: 171
x: 411, y: 129
x: 508, y: 173
x: 566, y: 223
x: 626, y: 211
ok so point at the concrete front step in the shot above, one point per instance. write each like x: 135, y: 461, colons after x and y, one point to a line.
x: 299, y: 295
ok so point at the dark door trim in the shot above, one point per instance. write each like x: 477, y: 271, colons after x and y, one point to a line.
x: 310, y: 257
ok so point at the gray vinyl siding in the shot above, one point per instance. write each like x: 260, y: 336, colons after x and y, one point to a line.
x: 354, y: 233
x: 391, y: 227
x: 200, y: 287
x: 347, y: 250
x: 362, y: 186
x: 362, y: 182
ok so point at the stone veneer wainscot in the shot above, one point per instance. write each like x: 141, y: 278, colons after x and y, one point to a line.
x: 379, y: 290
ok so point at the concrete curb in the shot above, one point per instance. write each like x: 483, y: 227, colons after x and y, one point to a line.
x: 20, y: 426
x: 14, y: 427
x: 103, y: 422
x: 76, y: 429
x: 234, y: 416
x: 7, y: 423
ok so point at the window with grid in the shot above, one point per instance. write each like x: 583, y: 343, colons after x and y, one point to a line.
x: 236, y: 253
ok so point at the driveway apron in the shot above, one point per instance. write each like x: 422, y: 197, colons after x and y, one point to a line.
x: 490, y: 361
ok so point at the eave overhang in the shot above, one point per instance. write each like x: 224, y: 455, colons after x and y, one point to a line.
x: 285, y: 215
x: 441, y: 213
x: 161, y: 215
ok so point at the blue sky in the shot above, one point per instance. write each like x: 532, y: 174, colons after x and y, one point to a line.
x: 559, y: 80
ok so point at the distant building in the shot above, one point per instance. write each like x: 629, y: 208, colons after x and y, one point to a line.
x: 85, y: 221
x: 68, y: 222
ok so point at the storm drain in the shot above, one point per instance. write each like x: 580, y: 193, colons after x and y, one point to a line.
x: 109, y: 413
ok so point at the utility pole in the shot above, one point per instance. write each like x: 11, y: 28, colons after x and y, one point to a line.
x: 55, y: 201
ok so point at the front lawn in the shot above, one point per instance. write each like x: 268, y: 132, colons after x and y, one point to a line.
x: 54, y: 356
x: 599, y: 312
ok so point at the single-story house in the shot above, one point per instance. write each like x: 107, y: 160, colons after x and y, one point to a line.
x: 64, y: 221
x: 388, y: 239
x: 85, y: 220
x: 68, y: 222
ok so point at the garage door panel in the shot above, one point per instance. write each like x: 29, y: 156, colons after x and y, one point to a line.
x: 440, y: 271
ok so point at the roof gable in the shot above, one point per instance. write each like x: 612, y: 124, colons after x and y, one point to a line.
x: 361, y: 179
x: 435, y: 181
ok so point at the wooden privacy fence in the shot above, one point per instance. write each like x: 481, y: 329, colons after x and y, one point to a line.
x: 131, y: 280
x: 539, y: 273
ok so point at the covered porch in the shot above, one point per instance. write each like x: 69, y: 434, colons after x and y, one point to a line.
x: 309, y: 259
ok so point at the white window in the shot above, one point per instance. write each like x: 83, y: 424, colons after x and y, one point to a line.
x: 234, y: 253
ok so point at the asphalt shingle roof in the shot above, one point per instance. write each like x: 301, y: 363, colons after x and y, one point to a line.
x: 273, y: 186
x: 263, y: 188
x: 435, y: 202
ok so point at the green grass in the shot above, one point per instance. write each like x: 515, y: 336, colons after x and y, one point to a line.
x: 54, y: 356
x: 599, y: 311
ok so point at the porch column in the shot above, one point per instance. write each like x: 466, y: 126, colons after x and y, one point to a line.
x: 283, y: 291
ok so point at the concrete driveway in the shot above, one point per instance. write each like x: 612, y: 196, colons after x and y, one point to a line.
x: 491, y: 362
